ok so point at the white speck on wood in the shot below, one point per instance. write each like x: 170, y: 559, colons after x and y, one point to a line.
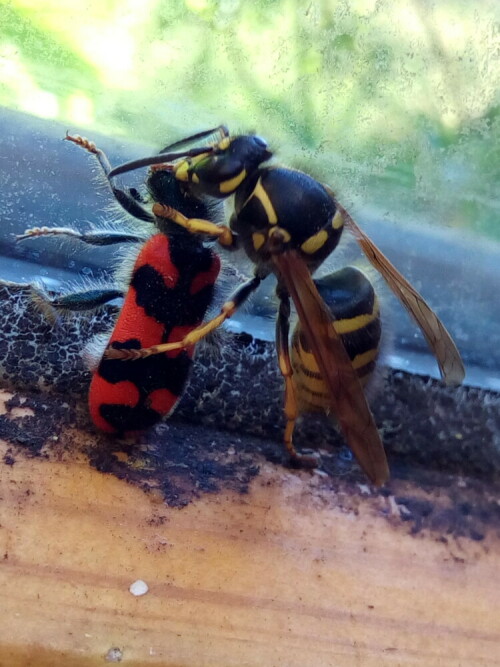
x: 139, y: 587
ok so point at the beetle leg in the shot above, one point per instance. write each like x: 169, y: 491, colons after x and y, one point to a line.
x: 126, y: 198
x: 98, y: 237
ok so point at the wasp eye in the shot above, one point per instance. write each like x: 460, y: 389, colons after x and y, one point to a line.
x: 260, y: 141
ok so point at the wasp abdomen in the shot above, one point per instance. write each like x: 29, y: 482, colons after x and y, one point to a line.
x: 356, y: 317
x: 170, y: 289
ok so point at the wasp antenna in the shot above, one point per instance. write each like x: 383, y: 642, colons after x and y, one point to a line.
x: 220, y: 129
x: 156, y: 159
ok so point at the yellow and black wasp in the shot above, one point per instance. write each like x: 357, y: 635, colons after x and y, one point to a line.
x: 288, y: 223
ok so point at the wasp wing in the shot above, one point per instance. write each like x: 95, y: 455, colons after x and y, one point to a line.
x: 439, y: 340
x: 348, y: 400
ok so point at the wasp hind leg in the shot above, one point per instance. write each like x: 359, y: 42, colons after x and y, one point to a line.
x: 228, y: 309
x: 299, y: 459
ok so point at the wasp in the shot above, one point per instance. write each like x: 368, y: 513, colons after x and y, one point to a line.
x: 288, y: 223
x: 167, y: 287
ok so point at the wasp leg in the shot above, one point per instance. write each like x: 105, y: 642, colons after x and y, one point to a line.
x: 196, y: 225
x: 291, y: 406
x: 228, y: 309
x: 128, y: 200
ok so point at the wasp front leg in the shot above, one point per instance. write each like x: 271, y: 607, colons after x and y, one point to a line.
x: 222, y: 233
x: 291, y: 408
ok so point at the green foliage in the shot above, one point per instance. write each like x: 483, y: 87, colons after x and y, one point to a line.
x: 395, y: 102
x: 41, y: 51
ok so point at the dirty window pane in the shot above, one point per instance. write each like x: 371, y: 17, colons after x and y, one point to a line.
x: 393, y: 104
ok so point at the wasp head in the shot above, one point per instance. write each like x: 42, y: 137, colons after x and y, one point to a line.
x: 224, y: 167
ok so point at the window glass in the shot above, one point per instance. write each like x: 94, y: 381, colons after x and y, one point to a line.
x: 394, y: 104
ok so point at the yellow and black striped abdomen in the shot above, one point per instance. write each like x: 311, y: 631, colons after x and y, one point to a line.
x: 350, y: 296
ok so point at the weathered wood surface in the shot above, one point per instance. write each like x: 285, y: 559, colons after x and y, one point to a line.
x: 301, y: 570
